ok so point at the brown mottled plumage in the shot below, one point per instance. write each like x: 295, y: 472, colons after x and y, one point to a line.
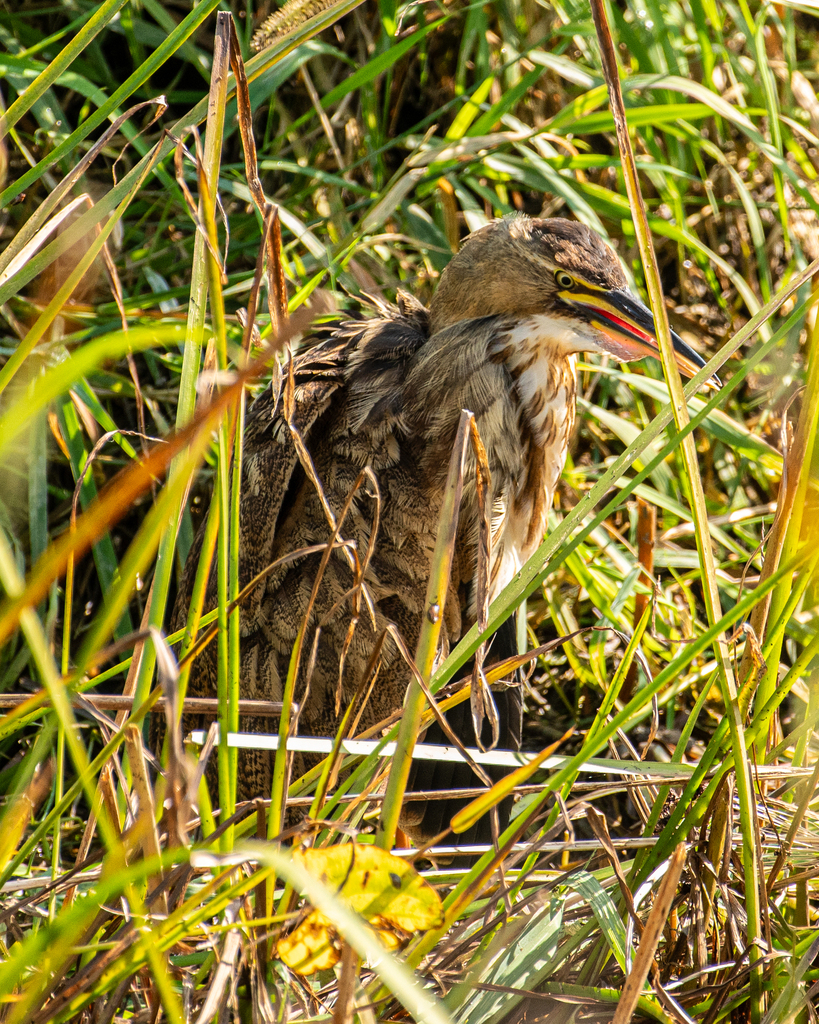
x: 511, y: 311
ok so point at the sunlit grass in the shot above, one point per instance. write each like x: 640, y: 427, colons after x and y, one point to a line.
x: 382, y: 134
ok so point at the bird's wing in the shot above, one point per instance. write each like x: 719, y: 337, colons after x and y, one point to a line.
x: 379, y: 361
x: 272, y: 473
x: 269, y: 461
x: 344, y: 413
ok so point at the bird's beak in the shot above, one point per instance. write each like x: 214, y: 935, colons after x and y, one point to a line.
x: 629, y: 329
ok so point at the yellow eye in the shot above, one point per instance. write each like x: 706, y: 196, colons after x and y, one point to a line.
x: 564, y: 281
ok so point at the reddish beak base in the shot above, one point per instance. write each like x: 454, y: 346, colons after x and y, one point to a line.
x: 629, y: 331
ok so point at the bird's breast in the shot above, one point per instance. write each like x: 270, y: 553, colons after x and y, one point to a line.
x: 545, y: 384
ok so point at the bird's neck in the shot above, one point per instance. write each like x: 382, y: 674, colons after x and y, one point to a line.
x: 539, y: 360
x: 544, y: 371
x: 519, y: 379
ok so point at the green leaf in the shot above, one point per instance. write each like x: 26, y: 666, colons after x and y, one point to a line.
x: 519, y: 957
x: 605, y: 912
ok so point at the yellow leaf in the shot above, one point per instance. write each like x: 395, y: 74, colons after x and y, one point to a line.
x: 385, y: 890
x: 312, y: 946
x: 375, y: 884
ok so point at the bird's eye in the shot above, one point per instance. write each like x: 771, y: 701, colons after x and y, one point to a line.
x: 564, y: 280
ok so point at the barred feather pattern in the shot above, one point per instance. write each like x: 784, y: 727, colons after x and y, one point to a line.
x: 387, y: 393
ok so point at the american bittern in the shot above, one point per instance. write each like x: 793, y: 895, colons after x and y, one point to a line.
x: 500, y: 338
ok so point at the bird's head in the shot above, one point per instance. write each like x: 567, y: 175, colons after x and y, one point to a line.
x: 561, y: 273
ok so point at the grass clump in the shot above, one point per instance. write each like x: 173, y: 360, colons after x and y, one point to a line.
x: 171, y: 204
